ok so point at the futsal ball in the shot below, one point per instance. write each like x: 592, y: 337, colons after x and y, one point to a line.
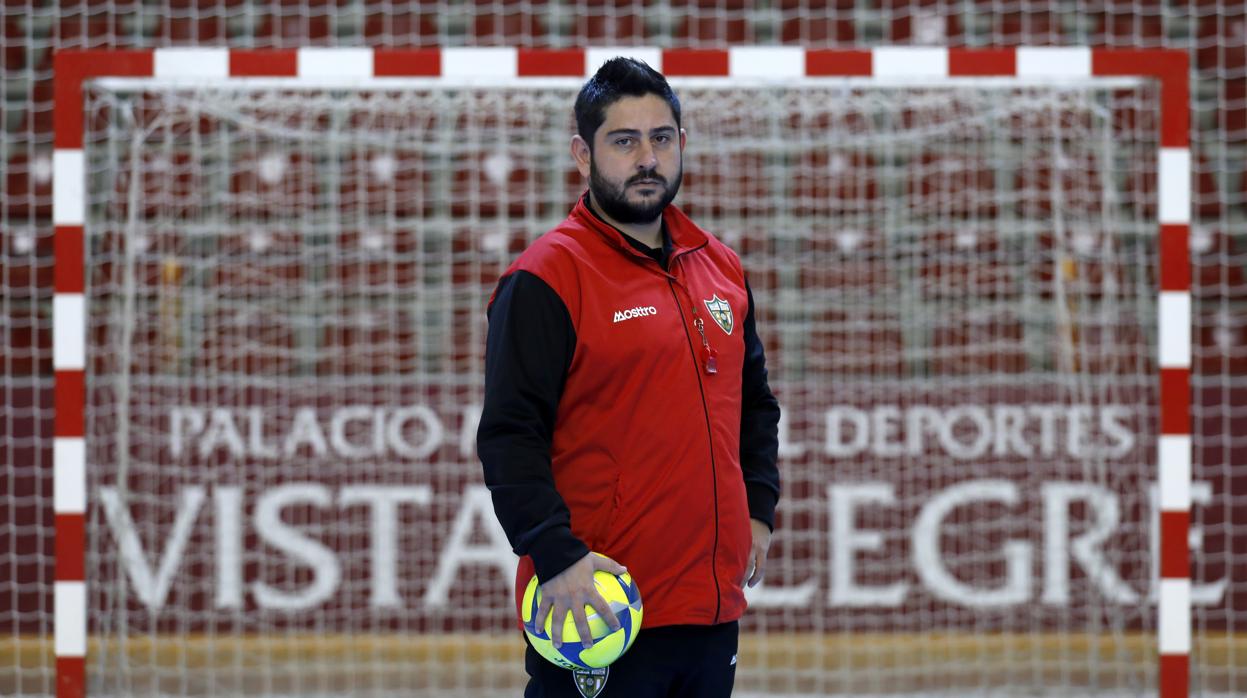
x: 625, y: 602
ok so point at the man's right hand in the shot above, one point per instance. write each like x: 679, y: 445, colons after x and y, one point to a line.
x: 572, y: 590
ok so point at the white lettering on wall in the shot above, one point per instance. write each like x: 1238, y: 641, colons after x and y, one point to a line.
x: 974, y: 432
x: 383, y: 502
x: 340, y: 422
x: 1086, y: 548
x: 856, y: 422
x: 151, y: 587
x: 302, y: 548
x: 929, y: 558
x: 221, y: 432
x: 846, y: 540
x: 228, y: 521
x: 418, y: 432
x: 869, y: 563
x: 184, y: 423
x: 350, y: 432
x: 477, y: 509
x: 429, y: 432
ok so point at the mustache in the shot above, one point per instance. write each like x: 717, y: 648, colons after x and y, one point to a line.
x: 652, y: 175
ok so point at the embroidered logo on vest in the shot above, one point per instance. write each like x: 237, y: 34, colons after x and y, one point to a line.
x: 639, y: 311
x: 721, y: 312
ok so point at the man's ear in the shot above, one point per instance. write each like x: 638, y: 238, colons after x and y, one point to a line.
x: 582, y: 155
x: 683, y: 139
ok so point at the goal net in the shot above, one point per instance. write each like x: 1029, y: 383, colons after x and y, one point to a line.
x: 286, y: 286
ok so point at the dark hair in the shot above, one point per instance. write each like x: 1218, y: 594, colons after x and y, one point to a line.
x: 618, y: 78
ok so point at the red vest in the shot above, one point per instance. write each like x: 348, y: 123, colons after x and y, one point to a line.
x: 647, y: 439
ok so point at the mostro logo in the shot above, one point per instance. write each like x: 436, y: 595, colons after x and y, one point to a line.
x: 639, y: 311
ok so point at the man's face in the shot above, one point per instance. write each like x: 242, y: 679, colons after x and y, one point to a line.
x: 635, y: 168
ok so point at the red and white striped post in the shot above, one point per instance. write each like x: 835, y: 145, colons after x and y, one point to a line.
x: 1174, y: 446
x: 69, y: 328
x: 1169, y: 68
x: 69, y: 456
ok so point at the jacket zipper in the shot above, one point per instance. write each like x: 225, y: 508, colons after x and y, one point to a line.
x: 714, y: 482
x: 709, y: 357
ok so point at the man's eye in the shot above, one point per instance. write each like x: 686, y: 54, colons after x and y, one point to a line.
x: 663, y: 139
x: 623, y: 142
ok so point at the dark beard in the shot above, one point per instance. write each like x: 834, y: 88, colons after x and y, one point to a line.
x: 614, y: 203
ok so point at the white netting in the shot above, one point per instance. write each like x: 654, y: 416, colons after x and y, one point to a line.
x: 286, y: 289
x: 1211, y: 31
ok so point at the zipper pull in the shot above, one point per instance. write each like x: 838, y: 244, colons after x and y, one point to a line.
x: 710, y: 357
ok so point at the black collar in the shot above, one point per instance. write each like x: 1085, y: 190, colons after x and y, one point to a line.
x: 661, y: 255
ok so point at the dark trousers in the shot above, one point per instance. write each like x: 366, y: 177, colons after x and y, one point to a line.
x: 693, y: 661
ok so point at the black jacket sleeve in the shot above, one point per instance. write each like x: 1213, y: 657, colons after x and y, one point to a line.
x: 528, y: 350
x: 759, y: 427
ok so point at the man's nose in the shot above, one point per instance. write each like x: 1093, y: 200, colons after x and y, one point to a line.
x: 648, y: 158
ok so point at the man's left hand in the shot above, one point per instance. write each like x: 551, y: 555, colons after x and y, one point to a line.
x: 756, y: 567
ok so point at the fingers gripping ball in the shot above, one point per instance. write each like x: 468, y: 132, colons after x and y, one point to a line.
x: 625, y: 601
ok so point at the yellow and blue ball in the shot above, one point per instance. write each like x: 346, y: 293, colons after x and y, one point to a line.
x: 625, y: 601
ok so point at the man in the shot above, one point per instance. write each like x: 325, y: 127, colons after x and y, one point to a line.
x: 627, y: 409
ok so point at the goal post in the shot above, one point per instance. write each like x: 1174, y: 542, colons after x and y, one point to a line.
x: 971, y: 272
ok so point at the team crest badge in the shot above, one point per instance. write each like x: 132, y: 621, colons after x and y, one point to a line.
x: 590, y: 682
x: 721, y: 312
